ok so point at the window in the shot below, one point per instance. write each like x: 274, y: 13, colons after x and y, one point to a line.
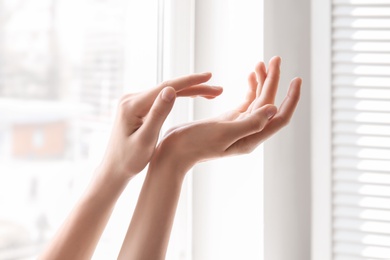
x: 97, y: 54
x: 63, y: 65
x: 355, y: 189
x: 361, y: 132
x: 61, y: 72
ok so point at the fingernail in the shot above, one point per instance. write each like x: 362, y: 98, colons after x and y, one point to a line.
x: 205, y: 73
x: 168, y: 95
x: 271, y: 111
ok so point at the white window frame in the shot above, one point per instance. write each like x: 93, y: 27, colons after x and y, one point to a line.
x: 321, y: 247
x: 175, y: 57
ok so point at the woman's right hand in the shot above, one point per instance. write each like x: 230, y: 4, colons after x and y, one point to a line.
x: 238, y: 131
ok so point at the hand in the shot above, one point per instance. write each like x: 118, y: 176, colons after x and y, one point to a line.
x: 238, y: 131
x: 139, y: 120
x: 136, y: 129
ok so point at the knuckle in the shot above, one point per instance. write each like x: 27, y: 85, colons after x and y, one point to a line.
x: 127, y: 103
x: 124, y: 98
x: 254, y: 125
x: 247, y: 148
x: 257, y: 125
x: 125, y: 106
x: 157, y: 112
x: 283, y: 120
x: 286, y: 120
x: 166, y: 83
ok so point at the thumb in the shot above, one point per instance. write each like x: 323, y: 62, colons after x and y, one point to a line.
x: 159, y: 111
x: 253, y: 123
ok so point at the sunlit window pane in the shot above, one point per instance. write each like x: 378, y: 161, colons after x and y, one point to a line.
x: 61, y: 72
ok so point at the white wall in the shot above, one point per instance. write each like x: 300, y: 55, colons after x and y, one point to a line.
x: 227, y: 195
x: 287, y: 157
x: 231, y: 36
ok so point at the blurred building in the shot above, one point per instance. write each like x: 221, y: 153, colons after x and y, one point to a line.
x: 61, y: 71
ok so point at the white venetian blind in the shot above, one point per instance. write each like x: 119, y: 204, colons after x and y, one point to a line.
x: 361, y: 129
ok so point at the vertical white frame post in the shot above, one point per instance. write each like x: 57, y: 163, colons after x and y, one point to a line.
x: 321, y: 127
x: 159, y: 55
x: 176, y: 58
x: 287, y: 172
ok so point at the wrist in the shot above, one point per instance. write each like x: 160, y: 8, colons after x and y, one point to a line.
x: 167, y: 161
x: 115, y: 170
x: 107, y: 183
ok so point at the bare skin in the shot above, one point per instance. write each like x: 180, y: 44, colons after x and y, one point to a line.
x: 132, y: 144
x: 239, y: 131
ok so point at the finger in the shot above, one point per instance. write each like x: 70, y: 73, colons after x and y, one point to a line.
x: 253, y: 123
x: 159, y: 111
x: 186, y: 81
x: 270, y: 87
x: 208, y: 97
x: 146, y: 99
x: 281, y: 119
x: 261, y: 75
x: 251, y: 93
x: 201, y: 90
x: 289, y: 104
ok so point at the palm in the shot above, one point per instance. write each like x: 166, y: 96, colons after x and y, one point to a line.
x: 226, y: 134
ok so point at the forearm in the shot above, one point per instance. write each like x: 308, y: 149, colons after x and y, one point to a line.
x: 80, y: 233
x: 150, y: 228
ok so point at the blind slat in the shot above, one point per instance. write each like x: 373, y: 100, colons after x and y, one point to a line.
x: 361, y: 11
x: 360, y: 81
x: 364, y: 129
x: 361, y: 117
x: 362, y: 176
x: 362, y: 237
x: 362, y: 2
x: 367, y: 23
x: 361, y: 189
x: 360, y: 58
x: 361, y: 201
x: 362, y: 214
x: 361, y: 93
x: 363, y: 164
x: 361, y: 105
x: 361, y: 153
x: 364, y: 35
x: 362, y: 250
x: 348, y: 45
x: 377, y: 227
x: 361, y: 69
x: 347, y: 257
